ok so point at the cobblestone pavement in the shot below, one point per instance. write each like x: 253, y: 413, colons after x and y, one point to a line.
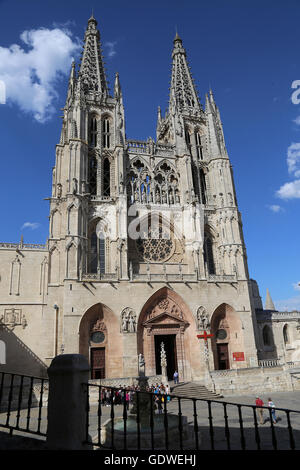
x: 279, y: 438
x: 268, y: 440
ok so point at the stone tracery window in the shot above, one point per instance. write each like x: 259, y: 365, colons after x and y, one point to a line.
x: 188, y: 139
x: 156, y: 245
x: 93, y: 132
x: 209, y: 255
x: 286, y: 334
x: 106, y: 177
x: 106, y: 134
x: 93, y: 165
x: 160, y: 186
x: 267, y: 336
x: 96, y: 251
x: 199, y: 146
x: 203, y: 187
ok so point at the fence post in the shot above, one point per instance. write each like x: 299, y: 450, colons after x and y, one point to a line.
x: 67, y: 402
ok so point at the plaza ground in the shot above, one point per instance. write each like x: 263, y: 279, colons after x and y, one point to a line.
x: 286, y: 400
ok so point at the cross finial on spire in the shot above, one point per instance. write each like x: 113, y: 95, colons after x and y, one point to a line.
x: 92, y: 18
x: 177, y: 37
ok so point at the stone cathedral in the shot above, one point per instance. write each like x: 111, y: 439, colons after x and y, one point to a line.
x: 145, y: 244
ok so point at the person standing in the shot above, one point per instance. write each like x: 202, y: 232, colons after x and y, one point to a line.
x: 159, y: 404
x: 259, y: 403
x: 175, y: 377
x: 127, y: 399
x: 272, y: 406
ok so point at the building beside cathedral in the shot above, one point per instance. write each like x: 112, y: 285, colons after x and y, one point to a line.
x: 145, y: 245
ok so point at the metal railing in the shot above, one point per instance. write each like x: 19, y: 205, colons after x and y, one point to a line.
x: 23, y: 401
x: 184, y: 423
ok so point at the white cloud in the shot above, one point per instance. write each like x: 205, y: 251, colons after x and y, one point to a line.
x: 293, y: 159
x: 289, y: 190
x: 30, y: 73
x: 64, y: 25
x: 111, y: 51
x: 275, y: 208
x: 31, y: 225
x: 296, y: 286
x: 297, y: 120
x: 292, y: 190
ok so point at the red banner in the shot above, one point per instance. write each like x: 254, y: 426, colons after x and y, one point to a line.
x: 238, y: 356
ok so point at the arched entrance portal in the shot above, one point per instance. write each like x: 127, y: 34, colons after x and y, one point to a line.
x: 228, y: 340
x: 165, y: 318
x: 98, y: 342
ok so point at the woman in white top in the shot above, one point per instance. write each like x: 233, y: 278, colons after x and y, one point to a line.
x: 272, y: 406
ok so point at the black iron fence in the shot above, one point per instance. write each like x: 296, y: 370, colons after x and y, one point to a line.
x: 120, y: 418
x: 23, y: 403
x: 133, y: 419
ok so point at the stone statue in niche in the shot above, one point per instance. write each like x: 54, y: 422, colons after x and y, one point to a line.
x: 202, y: 319
x: 141, y: 365
x: 131, y: 324
x: 99, y: 325
x: 128, y: 321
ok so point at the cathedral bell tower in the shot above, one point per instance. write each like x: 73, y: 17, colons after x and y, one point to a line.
x: 89, y: 170
x: 206, y: 173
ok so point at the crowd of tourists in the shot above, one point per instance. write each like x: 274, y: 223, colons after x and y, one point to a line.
x: 120, y: 395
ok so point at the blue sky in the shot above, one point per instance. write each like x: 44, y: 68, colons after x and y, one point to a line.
x: 247, y: 51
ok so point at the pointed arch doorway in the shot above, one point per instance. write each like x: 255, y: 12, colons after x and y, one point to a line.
x: 228, y: 339
x: 100, y: 342
x: 164, y: 318
x: 169, y: 342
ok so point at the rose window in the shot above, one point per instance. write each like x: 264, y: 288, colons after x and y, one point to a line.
x: 156, y: 249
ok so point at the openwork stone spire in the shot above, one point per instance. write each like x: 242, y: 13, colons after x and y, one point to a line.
x: 92, y: 73
x: 183, y: 95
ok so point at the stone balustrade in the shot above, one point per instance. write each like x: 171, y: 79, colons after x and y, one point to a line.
x: 24, y: 246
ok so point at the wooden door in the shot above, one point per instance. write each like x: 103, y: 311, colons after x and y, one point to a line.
x: 98, y: 363
x: 223, y: 358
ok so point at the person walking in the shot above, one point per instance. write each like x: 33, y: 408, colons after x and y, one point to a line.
x: 259, y: 403
x: 175, y: 377
x: 127, y: 399
x: 159, y: 404
x: 167, y: 392
x: 273, y: 414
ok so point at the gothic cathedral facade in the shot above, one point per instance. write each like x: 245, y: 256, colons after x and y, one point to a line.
x: 145, y: 240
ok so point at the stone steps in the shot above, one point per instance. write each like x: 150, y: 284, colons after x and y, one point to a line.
x: 194, y: 390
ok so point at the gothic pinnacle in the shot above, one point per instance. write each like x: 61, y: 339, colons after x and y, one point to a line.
x: 183, y: 94
x: 92, y: 71
x: 269, y: 305
x: 159, y: 114
x: 117, y: 87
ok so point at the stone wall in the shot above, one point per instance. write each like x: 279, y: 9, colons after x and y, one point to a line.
x: 256, y: 380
